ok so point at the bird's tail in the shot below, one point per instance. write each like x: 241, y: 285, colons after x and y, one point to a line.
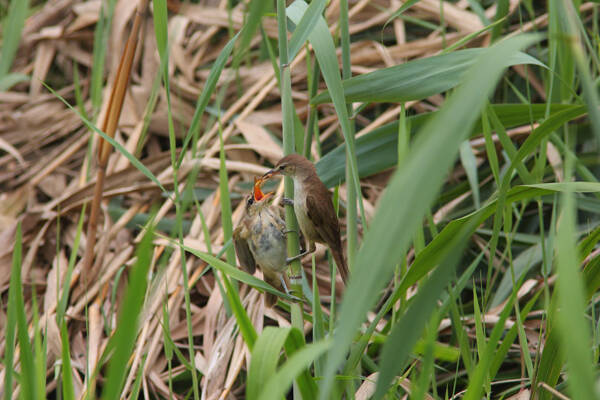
x: 338, y: 256
x: 275, y: 281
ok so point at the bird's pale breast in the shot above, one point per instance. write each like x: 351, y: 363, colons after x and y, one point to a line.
x: 267, y: 242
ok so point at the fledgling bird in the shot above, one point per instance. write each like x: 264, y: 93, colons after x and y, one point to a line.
x: 259, y: 240
x: 313, y: 207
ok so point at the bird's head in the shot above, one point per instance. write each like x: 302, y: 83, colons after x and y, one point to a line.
x: 293, y: 165
x: 257, y: 200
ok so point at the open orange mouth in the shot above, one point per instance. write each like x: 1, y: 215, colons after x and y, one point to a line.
x: 257, y: 192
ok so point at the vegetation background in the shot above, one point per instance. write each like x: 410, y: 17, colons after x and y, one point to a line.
x: 463, y: 157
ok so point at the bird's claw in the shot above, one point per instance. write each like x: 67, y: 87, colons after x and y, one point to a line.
x: 299, y: 256
x: 287, y: 202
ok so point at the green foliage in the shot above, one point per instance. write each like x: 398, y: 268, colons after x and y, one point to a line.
x: 531, y: 216
x: 127, y: 326
x: 11, y: 36
x: 431, y: 156
x: 16, y: 313
x: 418, y: 79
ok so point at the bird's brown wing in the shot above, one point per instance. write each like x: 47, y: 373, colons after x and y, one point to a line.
x: 322, y: 215
x: 243, y: 250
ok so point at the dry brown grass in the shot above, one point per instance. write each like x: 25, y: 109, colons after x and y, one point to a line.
x: 44, y: 163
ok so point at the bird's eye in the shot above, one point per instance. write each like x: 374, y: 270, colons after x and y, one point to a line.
x: 250, y: 201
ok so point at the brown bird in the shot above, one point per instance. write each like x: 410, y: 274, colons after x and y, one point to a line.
x: 313, y: 207
x: 259, y: 239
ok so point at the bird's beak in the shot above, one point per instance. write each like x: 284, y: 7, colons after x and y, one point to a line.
x: 269, y: 174
x: 266, y: 196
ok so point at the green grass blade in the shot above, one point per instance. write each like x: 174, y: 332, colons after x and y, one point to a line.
x: 244, y: 322
x: 572, y: 38
x: 64, y: 298
x: 101, y: 33
x: 256, y: 10
x: 574, y: 329
x: 67, y: 372
x: 40, y: 348
x: 430, y: 256
x: 12, y: 315
x: 428, y: 345
x: 551, y: 362
x: 351, y: 189
x: 11, y: 34
x: 134, y: 161
x: 324, y: 49
x: 205, y: 95
x: 9, y: 80
x: 408, y: 4
x: 127, y: 325
x: 304, y: 381
x: 226, y: 220
x: 318, y: 326
x: 490, y: 147
x: 290, y: 143
x: 509, y: 147
x: 305, y: 27
x: 237, y: 273
x: 508, y: 340
x: 480, y: 337
x: 418, y: 79
x: 432, y: 155
x: 472, y: 36
x: 481, y: 371
x: 407, y: 330
x: 28, y: 369
x: 469, y: 163
x: 265, y: 357
x: 376, y: 151
x: 276, y: 387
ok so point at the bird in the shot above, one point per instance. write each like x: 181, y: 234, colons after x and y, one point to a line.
x: 260, y: 240
x: 313, y: 207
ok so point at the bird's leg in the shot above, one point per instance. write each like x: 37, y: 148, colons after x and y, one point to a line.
x: 287, y: 291
x: 287, y: 202
x: 312, y: 249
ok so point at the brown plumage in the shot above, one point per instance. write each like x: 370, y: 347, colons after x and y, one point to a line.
x: 259, y: 240
x: 313, y: 207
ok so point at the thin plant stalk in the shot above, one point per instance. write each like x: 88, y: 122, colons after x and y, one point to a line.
x: 351, y: 211
x: 160, y: 24
x: 351, y: 188
x: 288, y: 148
x: 313, y: 80
x: 109, y: 126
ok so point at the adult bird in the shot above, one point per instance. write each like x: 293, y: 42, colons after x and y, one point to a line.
x: 313, y: 207
x: 260, y: 240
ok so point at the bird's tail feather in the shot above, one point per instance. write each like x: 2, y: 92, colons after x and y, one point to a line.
x: 275, y: 281
x: 338, y: 256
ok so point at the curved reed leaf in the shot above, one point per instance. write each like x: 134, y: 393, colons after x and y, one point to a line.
x: 410, y: 193
x: 418, y: 79
x: 236, y: 273
x: 11, y: 35
x: 376, y: 151
x: 279, y: 383
x: 127, y: 326
x: 265, y: 357
x: 305, y: 27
